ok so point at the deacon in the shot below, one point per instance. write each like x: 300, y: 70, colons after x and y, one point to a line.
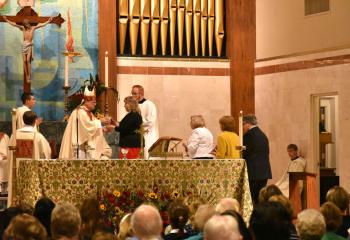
x: 83, y: 137
x: 149, y: 117
x: 29, y: 101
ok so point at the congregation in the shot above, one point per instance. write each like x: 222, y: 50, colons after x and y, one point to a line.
x: 273, y: 217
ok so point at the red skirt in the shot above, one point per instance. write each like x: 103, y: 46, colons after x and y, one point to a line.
x: 132, y: 153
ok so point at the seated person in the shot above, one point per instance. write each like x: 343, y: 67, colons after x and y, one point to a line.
x: 200, y: 143
x: 333, y: 219
x: 297, y: 164
x: 340, y: 197
x: 227, y: 139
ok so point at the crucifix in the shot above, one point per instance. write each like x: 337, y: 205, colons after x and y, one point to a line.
x: 27, y: 20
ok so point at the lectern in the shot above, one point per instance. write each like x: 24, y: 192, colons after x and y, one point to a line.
x: 310, y: 198
x: 165, y: 147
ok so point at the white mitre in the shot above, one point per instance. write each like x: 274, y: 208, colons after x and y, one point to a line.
x: 89, y: 95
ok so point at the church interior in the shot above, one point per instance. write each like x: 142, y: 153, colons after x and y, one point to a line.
x: 287, y: 62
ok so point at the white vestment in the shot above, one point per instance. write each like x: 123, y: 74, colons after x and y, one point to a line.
x: 42, y: 149
x: 297, y: 165
x: 4, y: 141
x: 19, y: 116
x: 89, y: 136
x: 150, y: 124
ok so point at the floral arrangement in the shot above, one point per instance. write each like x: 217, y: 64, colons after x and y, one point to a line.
x: 115, y: 204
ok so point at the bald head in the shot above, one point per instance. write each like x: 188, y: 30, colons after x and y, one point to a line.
x: 146, y: 222
x: 221, y: 228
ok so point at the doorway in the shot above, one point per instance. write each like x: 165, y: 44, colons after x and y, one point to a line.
x: 325, y: 132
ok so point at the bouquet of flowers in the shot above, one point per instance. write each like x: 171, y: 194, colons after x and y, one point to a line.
x: 115, y: 204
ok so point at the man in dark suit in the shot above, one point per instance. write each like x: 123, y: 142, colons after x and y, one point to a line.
x: 256, y: 155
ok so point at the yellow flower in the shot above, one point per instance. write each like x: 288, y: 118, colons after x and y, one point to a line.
x: 152, y: 195
x: 116, y: 193
x: 118, y: 211
x: 102, y: 207
x: 175, y: 194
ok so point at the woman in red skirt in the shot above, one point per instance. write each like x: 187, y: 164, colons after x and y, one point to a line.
x: 129, y: 129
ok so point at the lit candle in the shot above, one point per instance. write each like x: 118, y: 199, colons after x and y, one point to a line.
x: 14, y: 123
x: 106, y: 69
x: 240, y: 128
x: 66, y: 72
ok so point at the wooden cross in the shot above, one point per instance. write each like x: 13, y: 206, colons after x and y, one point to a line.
x: 29, y: 14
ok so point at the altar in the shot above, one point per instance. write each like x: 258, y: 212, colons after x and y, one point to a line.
x: 75, y: 180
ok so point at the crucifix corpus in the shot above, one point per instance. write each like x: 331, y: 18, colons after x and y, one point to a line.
x: 27, y: 20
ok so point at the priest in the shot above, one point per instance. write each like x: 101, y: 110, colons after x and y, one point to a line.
x: 83, y: 137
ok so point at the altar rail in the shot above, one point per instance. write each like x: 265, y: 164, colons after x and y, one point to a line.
x: 74, y: 180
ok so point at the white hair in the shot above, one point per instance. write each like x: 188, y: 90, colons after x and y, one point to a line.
x: 221, y: 228
x: 310, y: 224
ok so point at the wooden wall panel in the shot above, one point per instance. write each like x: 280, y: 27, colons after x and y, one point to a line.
x: 107, y: 41
x: 241, y: 50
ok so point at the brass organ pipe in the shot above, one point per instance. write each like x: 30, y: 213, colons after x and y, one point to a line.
x: 180, y: 24
x: 155, y: 20
x: 123, y: 23
x: 164, y: 22
x: 134, y: 15
x: 204, y: 25
x: 196, y: 24
x: 188, y: 25
x: 211, y: 21
x: 219, y: 25
x: 173, y: 11
x: 145, y: 21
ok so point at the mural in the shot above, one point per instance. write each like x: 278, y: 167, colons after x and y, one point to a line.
x: 48, y: 64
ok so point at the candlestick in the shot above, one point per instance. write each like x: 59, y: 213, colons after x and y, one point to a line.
x: 66, y: 116
x: 106, y: 69
x: 106, y: 102
x: 240, y: 127
x: 66, y: 72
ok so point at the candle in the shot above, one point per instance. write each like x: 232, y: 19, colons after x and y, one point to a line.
x: 14, y: 124
x: 66, y: 72
x: 240, y: 128
x: 106, y: 69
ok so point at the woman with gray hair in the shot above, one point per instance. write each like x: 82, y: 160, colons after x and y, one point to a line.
x: 200, y: 143
x: 310, y: 225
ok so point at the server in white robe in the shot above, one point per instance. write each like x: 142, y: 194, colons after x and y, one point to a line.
x: 29, y: 102
x: 41, y: 147
x: 149, y: 117
x: 296, y: 164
